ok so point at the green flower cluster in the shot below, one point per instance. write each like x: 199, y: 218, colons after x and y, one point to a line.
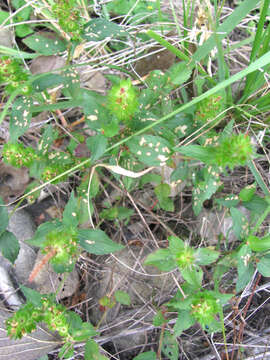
x: 13, y: 75
x: 185, y: 258
x: 69, y: 17
x: 204, y: 307
x: 25, y: 320
x: 51, y: 165
x: 63, y: 243
x: 123, y: 100
x: 17, y: 155
x: 234, y: 151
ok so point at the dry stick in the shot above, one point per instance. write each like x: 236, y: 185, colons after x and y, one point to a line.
x: 241, y: 330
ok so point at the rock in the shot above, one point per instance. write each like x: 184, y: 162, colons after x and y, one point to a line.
x: 47, y: 281
x: 23, y: 227
x: 6, y: 37
x: 211, y: 224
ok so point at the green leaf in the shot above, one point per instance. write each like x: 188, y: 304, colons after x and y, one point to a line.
x: 92, y: 351
x: 229, y: 201
x: 9, y: 246
x: 258, y: 244
x: 204, y: 154
x: 149, y: 149
x: 148, y: 355
x: 184, y: 321
x: 42, y: 231
x: 193, y: 275
x: 23, y: 30
x: 45, y: 46
x: 163, y: 192
x: 46, y: 140
x: 205, y: 189
x: 175, y: 244
x: 122, y: 297
x: 97, y: 145
x: 205, y: 256
x: 179, y: 73
x: 170, y: 346
x: 246, y: 194
x: 263, y: 266
x: 3, y: 216
x: 48, y: 81
x: 159, y: 319
x: 162, y: 259
x: 99, y: 29
x: 245, y: 267
x: 70, y: 216
x: 97, y: 242
x: 31, y: 295
x: 21, y: 117
x: 240, y: 223
x: 116, y: 212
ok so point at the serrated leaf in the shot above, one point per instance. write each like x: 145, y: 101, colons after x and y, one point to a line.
x: 122, y: 297
x: 149, y: 149
x: 70, y: 216
x: 205, y: 256
x: 162, y: 259
x: 97, y: 145
x: 44, y: 45
x: 9, y: 246
x: 179, y: 73
x: 3, y: 216
x: 99, y: 29
x: 41, y: 233
x: 184, y: 321
x: 97, y: 242
x: 31, y: 295
x: 193, y: 275
x: 175, y: 244
x: 20, y: 118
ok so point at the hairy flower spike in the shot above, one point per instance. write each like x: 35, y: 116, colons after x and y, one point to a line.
x: 123, y: 100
